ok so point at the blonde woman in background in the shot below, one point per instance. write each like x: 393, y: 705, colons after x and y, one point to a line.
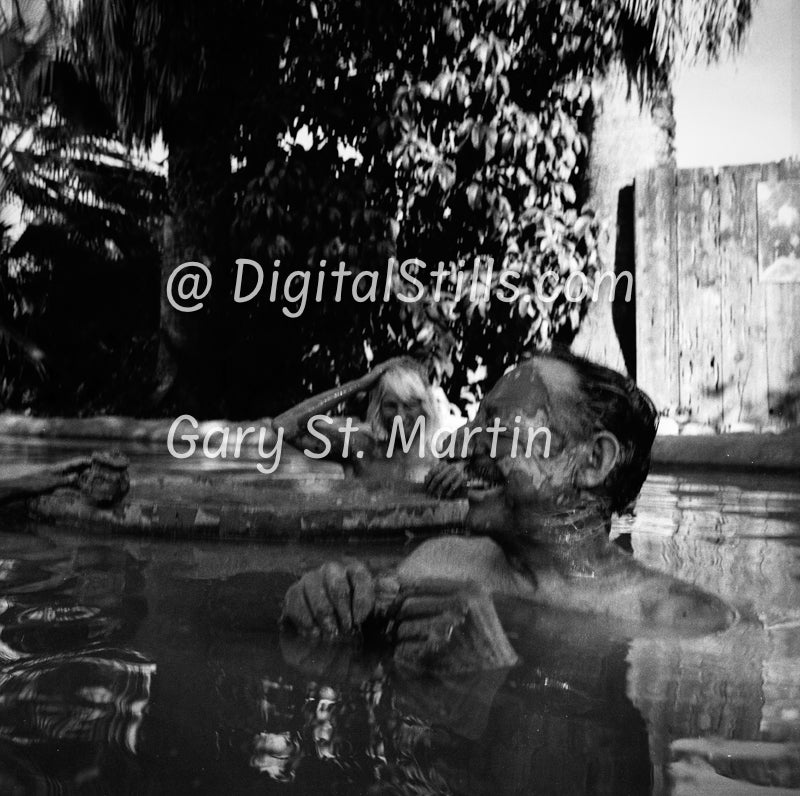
x: 402, y: 404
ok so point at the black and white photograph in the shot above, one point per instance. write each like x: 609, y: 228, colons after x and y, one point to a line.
x: 400, y: 397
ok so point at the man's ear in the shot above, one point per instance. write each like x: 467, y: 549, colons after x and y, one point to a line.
x: 600, y: 459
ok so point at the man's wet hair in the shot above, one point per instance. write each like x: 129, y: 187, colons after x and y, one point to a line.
x: 612, y: 402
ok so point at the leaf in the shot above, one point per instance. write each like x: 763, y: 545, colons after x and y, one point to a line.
x: 490, y: 143
x: 447, y: 177
x: 473, y: 194
x: 476, y: 134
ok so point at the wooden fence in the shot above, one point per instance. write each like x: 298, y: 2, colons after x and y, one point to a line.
x: 713, y: 343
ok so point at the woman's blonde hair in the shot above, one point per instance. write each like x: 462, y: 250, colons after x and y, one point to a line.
x: 408, y: 383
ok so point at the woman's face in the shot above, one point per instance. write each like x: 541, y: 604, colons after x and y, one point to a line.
x: 408, y: 412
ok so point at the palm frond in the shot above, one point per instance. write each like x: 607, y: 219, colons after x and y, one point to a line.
x: 687, y: 30
x: 14, y: 344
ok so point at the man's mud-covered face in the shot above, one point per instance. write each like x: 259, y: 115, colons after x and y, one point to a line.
x: 535, y: 473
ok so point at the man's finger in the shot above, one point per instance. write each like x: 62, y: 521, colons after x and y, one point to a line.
x: 316, y: 596
x: 433, y: 481
x: 444, y: 485
x: 337, y: 587
x: 296, y: 610
x: 430, y: 606
x: 362, y: 590
x: 441, y: 482
x: 454, y: 481
x: 72, y: 465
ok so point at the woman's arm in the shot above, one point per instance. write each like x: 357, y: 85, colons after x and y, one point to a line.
x: 294, y: 421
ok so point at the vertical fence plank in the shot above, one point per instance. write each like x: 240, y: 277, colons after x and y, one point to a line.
x: 744, y: 324
x: 783, y: 331
x: 713, y: 341
x: 699, y: 296
x: 657, y: 288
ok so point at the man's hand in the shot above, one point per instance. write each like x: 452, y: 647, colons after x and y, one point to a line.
x: 446, y: 480
x: 442, y: 626
x: 332, y: 600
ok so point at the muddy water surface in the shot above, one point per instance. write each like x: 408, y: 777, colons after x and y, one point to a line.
x: 135, y: 666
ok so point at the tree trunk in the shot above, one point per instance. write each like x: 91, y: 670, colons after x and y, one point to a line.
x: 192, y: 347
x: 624, y: 140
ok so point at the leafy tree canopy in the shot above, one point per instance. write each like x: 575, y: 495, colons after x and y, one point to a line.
x: 79, y: 260
x: 463, y: 129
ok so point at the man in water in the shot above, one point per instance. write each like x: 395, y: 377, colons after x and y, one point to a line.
x: 539, y: 518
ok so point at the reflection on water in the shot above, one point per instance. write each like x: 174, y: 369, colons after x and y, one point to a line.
x: 96, y: 696
x: 72, y: 699
x: 739, y: 538
x: 235, y: 707
x: 559, y: 723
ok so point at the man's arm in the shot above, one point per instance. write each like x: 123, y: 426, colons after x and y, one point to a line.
x: 437, y: 617
x: 39, y: 480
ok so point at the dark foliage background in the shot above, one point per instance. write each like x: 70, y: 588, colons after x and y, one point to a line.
x: 439, y: 130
